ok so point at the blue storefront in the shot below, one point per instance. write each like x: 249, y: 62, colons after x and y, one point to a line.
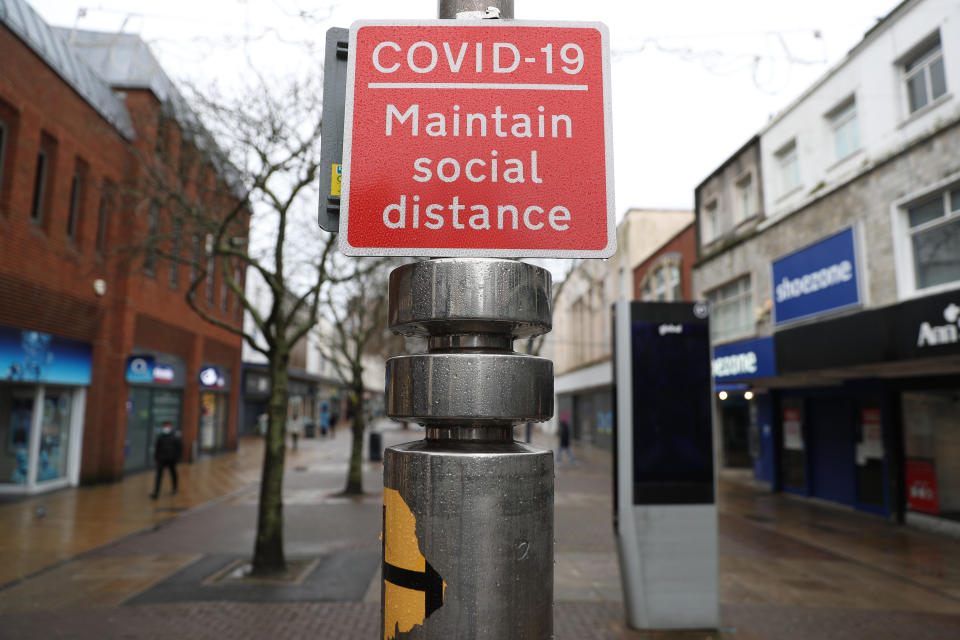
x: 43, y: 383
x: 830, y: 441
x: 743, y: 408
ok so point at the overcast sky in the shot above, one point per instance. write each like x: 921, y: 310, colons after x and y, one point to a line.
x: 692, y: 79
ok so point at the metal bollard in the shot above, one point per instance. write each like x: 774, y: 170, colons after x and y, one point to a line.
x: 468, y: 512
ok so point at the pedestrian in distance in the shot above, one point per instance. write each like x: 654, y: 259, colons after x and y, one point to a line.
x: 295, y: 428
x: 564, y: 435
x: 166, y: 454
x: 325, y: 421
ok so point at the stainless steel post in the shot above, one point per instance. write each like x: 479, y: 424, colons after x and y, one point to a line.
x: 468, y: 512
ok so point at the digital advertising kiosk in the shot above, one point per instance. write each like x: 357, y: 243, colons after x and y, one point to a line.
x: 665, y: 513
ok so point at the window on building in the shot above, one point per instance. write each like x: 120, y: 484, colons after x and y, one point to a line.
x: 211, y: 265
x: 935, y: 239
x: 709, y: 221
x: 731, y: 310
x: 846, y: 129
x: 107, y: 193
x: 153, y: 224
x: 746, y: 204
x: 788, y: 167
x: 8, y: 129
x: 175, y: 253
x: 77, y: 197
x: 3, y: 151
x: 924, y: 77
x: 236, y: 298
x: 224, y: 291
x: 663, y: 282
x: 195, y: 259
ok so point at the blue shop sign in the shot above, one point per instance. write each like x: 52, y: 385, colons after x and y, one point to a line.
x: 816, y: 279
x: 34, y: 356
x: 212, y: 378
x: 146, y: 370
x: 744, y: 360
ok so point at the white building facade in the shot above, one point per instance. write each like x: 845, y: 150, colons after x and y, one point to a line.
x: 845, y: 289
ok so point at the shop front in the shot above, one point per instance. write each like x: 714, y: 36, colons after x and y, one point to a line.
x: 154, y: 396
x: 885, y: 435
x: 743, y: 434
x: 214, y: 399
x: 43, y: 384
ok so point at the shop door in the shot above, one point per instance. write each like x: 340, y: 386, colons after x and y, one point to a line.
x: 137, y: 444
x: 16, y: 420
x: 831, y: 450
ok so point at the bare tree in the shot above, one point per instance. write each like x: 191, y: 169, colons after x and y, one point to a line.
x: 358, y: 308
x: 260, y: 176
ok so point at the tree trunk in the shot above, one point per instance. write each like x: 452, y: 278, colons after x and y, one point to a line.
x: 268, y: 555
x: 355, y: 473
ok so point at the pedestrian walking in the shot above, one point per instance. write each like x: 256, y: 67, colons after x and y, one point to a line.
x: 166, y: 454
x: 564, y: 435
x: 324, y: 420
x: 295, y: 429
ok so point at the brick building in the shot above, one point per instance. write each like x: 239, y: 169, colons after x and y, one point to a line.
x: 97, y: 345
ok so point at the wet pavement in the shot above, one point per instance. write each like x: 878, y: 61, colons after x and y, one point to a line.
x: 108, y: 562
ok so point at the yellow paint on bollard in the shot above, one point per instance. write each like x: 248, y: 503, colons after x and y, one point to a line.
x: 412, y: 589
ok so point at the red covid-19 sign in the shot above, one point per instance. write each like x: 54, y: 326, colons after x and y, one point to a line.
x: 479, y: 138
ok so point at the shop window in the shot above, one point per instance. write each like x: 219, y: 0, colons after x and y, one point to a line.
x: 54, y: 434
x: 924, y: 78
x: 16, y: 420
x: 107, y: 193
x: 77, y: 198
x: 845, y: 127
x: 731, y: 310
x: 932, y: 451
x: 788, y: 167
x: 43, y: 178
x: 663, y: 282
x: 934, y: 226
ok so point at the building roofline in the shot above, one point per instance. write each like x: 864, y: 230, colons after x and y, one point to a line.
x: 871, y: 34
x: 44, y: 41
x: 754, y: 139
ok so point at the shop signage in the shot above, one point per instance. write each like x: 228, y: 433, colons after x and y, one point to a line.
x: 921, y: 480
x: 934, y: 334
x: 212, y: 378
x: 145, y: 370
x: 816, y: 279
x: 792, y: 429
x: 34, y: 356
x: 489, y: 138
x: 744, y: 360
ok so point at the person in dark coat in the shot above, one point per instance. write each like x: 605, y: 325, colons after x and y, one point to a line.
x: 166, y: 453
x: 564, y: 434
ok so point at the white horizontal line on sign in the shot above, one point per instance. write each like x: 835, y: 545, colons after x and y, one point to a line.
x: 476, y: 85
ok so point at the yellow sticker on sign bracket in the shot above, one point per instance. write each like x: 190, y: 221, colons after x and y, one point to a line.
x: 412, y: 588
x: 336, y: 179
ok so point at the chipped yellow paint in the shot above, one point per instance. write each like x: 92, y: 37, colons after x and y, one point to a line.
x: 402, y: 608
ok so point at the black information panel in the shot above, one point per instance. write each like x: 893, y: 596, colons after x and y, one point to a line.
x: 672, y: 423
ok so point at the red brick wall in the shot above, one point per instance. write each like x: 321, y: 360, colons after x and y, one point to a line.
x: 46, y: 278
x: 684, y: 243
